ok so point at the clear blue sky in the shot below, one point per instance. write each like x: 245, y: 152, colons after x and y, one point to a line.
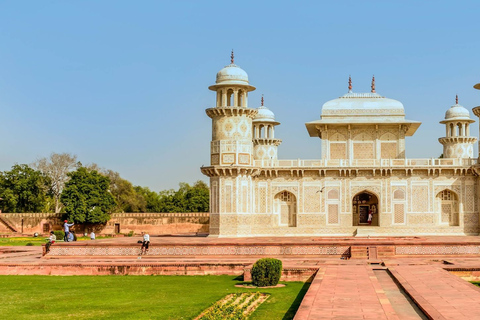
x: 124, y: 83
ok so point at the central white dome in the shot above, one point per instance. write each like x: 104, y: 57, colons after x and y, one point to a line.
x: 354, y: 105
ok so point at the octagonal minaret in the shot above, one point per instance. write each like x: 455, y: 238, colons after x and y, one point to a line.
x: 457, y: 143
x: 264, y: 142
x: 476, y: 111
x: 231, y: 118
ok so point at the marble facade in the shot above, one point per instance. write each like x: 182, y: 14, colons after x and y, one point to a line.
x: 363, y: 170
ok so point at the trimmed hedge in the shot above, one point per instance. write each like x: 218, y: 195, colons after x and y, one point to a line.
x: 266, y: 272
x: 59, y: 234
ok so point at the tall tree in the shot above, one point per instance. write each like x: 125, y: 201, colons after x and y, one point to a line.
x: 152, y: 199
x: 197, y: 198
x: 127, y: 199
x: 87, y: 198
x: 57, y: 167
x: 23, y: 189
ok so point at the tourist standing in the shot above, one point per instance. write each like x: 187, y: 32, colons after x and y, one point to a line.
x: 51, y: 240
x: 370, y: 217
x: 66, y: 228
x: 145, y: 243
x: 92, y: 236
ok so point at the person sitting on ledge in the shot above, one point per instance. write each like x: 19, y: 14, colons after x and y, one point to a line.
x: 51, y: 240
x: 71, y: 237
x: 145, y: 243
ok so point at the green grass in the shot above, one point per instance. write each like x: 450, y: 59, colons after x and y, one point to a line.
x: 38, y: 241
x: 475, y: 283
x: 132, y: 297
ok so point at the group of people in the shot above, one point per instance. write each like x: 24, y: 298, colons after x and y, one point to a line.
x: 70, y: 236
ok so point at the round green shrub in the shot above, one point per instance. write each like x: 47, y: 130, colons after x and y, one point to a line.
x: 266, y: 272
x: 59, y: 234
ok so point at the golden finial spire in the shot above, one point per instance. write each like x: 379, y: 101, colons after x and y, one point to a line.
x: 373, y: 84
x: 232, y: 58
x: 456, y: 99
x: 349, y: 83
x: 262, y: 100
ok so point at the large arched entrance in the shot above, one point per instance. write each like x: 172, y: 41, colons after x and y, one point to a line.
x: 286, y: 207
x: 363, y: 203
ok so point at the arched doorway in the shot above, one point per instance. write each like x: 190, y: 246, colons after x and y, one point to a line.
x: 286, y: 207
x: 448, y: 205
x: 362, y: 203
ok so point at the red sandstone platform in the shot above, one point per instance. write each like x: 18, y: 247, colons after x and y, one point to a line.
x: 195, y: 246
x: 368, y: 286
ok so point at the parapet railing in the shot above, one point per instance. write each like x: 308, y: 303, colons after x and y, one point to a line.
x: 385, y: 163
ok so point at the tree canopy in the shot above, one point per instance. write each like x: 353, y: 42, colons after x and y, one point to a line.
x: 89, y: 194
x: 56, y: 168
x: 23, y: 189
x: 87, y: 198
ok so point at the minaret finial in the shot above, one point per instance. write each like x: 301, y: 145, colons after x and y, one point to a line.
x: 232, y: 57
x: 373, y: 84
x: 349, y: 84
x: 456, y: 99
x: 262, y: 100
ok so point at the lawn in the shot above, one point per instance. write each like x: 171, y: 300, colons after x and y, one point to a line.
x: 34, y: 241
x: 132, y: 297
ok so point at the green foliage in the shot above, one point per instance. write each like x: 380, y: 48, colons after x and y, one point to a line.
x: 23, y: 189
x: 126, y: 197
x: 60, y: 234
x: 87, y: 198
x: 186, y: 199
x: 153, y: 202
x: 147, y: 297
x: 266, y: 272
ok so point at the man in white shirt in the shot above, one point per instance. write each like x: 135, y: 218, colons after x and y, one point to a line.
x: 145, y: 243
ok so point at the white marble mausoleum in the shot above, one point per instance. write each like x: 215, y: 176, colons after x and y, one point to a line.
x: 363, y: 170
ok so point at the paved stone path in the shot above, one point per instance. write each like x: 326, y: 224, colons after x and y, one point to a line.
x: 441, y: 294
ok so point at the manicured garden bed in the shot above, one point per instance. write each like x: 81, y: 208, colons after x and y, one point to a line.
x: 133, y: 297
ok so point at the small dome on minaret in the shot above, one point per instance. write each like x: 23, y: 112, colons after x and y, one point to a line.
x: 232, y: 75
x: 264, y: 114
x: 457, y: 112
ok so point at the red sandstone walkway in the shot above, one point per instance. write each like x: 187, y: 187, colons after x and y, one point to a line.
x: 443, y: 295
x: 345, y: 292
x: 359, y: 292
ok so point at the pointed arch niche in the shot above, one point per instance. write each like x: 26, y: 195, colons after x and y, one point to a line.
x: 362, y: 203
x: 447, y: 201
x: 286, y: 207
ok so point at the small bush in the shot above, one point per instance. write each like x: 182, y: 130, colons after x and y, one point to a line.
x: 59, y: 234
x: 29, y: 244
x: 130, y: 234
x: 266, y: 272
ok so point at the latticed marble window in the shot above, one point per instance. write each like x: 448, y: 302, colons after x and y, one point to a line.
x: 286, y: 196
x: 446, y: 195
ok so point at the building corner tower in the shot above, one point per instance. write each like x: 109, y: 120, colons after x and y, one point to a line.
x: 457, y: 143
x: 265, y: 145
x: 231, y: 153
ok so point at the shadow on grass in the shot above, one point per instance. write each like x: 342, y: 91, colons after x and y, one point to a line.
x: 296, y: 303
x: 238, y: 278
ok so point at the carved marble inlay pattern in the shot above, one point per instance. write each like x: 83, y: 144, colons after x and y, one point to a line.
x: 420, y: 200
x: 338, y: 150
x: 363, y: 150
x: 436, y: 250
x: 224, y: 250
x: 333, y: 213
x: 399, y: 213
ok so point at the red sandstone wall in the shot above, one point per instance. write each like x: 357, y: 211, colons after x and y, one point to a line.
x: 153, y: 223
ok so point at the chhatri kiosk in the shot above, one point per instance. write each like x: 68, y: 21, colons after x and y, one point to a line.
x: 363, y: 169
